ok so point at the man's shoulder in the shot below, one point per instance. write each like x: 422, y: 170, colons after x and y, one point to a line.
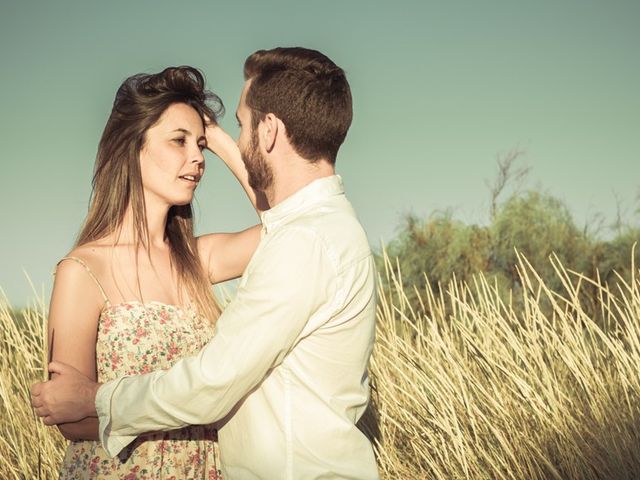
x: 336, y: 226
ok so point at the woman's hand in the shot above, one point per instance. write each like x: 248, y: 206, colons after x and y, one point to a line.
x: 221, y: 144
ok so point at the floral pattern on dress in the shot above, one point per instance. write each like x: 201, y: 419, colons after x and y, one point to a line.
x: 136, y: 338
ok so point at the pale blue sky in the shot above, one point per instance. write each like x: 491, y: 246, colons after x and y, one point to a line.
x: 439, y: 89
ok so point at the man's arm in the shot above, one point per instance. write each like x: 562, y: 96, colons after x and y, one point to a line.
x: 255, y: 332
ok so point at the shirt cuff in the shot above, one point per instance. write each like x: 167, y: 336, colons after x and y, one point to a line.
x: 112, y: 444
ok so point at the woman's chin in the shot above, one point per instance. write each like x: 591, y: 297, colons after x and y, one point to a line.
x: 181, y: 202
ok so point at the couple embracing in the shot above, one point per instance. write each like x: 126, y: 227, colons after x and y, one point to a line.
x: 147, y: 374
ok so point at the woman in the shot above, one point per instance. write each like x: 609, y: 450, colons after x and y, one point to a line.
x: 135, y: 293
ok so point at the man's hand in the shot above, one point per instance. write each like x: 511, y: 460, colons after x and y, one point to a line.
x: 68, y: 397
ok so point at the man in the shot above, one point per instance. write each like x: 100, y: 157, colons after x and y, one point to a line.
x: 286, y: 373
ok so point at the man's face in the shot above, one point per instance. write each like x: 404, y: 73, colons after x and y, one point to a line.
x: 260, y: 172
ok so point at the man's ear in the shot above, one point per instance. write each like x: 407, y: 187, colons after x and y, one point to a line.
x: 269, y: 131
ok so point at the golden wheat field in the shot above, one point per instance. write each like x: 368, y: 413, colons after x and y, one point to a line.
x: 463, y: 386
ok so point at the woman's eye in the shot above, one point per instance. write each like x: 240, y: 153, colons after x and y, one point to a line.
x: 180, y: 141
x: 202, y: 146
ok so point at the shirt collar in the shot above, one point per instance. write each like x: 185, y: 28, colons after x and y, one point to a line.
x: 302, y: 200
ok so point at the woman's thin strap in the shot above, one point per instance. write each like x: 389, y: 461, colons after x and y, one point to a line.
x: 86, y: 267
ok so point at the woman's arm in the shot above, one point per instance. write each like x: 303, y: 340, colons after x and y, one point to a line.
x: 225, y: 147
x: 72, y: 328
x: 225, y: 255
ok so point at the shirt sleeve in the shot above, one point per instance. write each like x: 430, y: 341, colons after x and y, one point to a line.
x: 288, y: 286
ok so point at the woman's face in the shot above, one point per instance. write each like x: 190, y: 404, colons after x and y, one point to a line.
x: 171, y: 160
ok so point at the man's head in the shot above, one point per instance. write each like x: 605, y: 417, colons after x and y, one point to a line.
x: 307, y: 92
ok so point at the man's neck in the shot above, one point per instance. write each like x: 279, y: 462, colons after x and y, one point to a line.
x: 293, y: 176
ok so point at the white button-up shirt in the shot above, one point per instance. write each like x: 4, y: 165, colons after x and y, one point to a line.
x: 286, y: 373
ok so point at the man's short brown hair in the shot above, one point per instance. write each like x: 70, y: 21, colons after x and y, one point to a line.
x: 307, y: 92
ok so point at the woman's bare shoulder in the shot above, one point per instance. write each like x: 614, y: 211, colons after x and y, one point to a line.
x: 77, y: 287
x: 105, y: 262
x: 94, y: 256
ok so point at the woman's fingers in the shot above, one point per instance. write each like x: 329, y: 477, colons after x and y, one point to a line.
x: 208, y: 122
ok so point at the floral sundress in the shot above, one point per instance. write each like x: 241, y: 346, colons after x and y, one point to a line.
x: 136, y: 338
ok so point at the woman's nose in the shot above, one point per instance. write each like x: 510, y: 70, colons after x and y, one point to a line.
x: 197, y: 156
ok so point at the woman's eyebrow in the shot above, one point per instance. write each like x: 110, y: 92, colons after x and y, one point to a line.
x: 187, y: 132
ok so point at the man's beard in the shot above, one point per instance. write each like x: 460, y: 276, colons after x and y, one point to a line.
x: 260, y: 173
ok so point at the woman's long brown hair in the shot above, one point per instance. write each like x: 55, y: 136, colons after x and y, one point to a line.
x: 117, y: 182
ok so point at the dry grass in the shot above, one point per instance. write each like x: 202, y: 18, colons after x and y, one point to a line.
x: 464, y: 387
x: 28, y: 449
x: 485, y: 392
